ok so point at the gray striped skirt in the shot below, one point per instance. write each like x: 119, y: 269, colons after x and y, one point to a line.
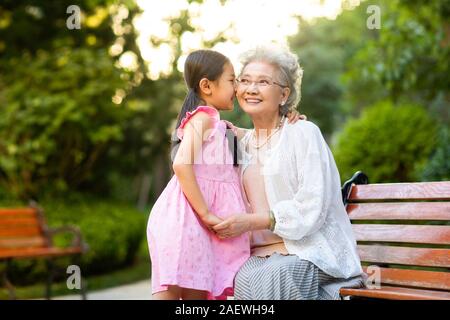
x: 287, y: 277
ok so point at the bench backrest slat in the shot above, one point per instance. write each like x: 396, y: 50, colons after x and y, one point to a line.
x: 413, y: 278
x: 21, y: 228
x: 425, y: 257
x: 399, y: 211
x: 402, y: 233
x: 21, y: 231
x: 16, y: 212
x: 29, y: 242
x: 401, y: 191
x: 404, y: 229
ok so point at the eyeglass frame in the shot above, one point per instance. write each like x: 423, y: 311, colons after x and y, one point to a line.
x: 239, y: 82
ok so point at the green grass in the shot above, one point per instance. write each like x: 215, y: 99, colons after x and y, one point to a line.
x: 140, y: 270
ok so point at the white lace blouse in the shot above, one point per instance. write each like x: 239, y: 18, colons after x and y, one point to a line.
x: 303, y: 189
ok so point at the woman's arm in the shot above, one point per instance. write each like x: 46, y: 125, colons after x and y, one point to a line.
x: 187, y: 154
x: 306, y: 212
x: 238, y: 224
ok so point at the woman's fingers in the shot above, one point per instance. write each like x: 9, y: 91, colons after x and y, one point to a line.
x: 221, y: 226
x: 290, y: 115
x: 224, y: 236
x: 221, y: 235
x: 211, y: 230
x: 294, y: 116
x: 224, y: 232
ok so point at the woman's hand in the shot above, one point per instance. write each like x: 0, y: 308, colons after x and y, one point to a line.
x: 233, y: 226
x: 210, y: 220
x: 293, y: 116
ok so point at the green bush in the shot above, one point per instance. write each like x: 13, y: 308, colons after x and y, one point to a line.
x: 438, y: 166
x: 113, y: 231
x: 389, y: 143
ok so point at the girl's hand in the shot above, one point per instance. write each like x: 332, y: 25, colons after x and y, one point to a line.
x: 239, y: 132
x: 233, y: 226
x: 293, y: 116
x: 232, y: 126
x: 210, y: 220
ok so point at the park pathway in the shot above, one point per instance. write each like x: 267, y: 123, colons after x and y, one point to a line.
x: 136, y: 291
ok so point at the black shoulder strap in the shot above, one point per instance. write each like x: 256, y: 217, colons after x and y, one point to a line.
x: 233, y: 145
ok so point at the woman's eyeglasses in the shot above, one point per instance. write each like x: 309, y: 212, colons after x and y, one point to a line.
x: 263, y: 83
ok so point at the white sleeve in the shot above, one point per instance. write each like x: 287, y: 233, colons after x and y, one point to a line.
x: 306, y: 212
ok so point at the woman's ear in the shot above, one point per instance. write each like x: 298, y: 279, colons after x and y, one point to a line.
x: 205, y: 86
x: 285, y: 94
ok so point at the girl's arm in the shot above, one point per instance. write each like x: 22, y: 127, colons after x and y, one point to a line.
x: 188, y: 152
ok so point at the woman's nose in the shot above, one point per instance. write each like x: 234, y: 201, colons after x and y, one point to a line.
x: 252, y: 87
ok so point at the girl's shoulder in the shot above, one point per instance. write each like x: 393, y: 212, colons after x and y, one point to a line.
x: 211, y: 112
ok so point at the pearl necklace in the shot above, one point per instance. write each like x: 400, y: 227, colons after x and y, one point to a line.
x: 256, y: 146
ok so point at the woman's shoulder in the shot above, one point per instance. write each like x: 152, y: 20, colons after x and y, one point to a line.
x: 304, y: 135
x: 303, y: 127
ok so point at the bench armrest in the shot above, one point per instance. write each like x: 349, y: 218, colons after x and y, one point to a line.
x: 358, y: 178
x: 77, y: 240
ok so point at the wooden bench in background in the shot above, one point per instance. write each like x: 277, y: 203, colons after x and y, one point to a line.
x: 24, y: 234
x: 403, y: 228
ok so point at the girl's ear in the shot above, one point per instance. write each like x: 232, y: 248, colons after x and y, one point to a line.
x: 205, y: 86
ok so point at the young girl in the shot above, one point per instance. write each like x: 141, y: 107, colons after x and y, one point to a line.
x: 188, y: 260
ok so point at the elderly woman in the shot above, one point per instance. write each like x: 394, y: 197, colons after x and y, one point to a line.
x: 302, y: 241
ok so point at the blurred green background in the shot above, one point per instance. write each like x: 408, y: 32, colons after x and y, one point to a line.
x: 85, y: 125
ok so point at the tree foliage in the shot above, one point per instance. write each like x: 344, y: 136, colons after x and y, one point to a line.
x: 388, y: 143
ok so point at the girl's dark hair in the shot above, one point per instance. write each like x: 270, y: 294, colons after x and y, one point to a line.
x: 200, y: 64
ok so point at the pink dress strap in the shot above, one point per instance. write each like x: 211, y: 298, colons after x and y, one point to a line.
x: 213, y: 113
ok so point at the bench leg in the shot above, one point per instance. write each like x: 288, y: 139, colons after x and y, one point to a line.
x: 7, y: 283
x: 50, y: 276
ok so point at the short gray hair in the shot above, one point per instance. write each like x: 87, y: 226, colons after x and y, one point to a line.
x: 287, y: 64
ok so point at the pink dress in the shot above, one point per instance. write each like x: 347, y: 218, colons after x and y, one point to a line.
x: 183, y: 252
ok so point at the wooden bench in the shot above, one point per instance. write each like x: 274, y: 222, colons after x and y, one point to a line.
x: 403, y: 230
x: 24, y: 234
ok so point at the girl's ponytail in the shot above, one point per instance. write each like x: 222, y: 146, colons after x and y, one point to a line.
x: 191, y: 102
